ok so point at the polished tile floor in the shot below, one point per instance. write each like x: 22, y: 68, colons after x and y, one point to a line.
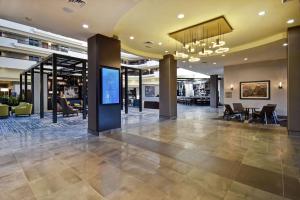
x: 197, y: 156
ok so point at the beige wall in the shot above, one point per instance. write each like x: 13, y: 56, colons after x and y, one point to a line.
x: 275, y: 71
x: 10, y: 74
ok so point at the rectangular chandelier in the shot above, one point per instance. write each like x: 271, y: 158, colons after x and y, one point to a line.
x: 204, y: 30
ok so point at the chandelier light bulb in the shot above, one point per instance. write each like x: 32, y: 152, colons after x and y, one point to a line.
x: 222, y: 50
x: 218, y: 43
x: 205, y: 52
x: 194, y: 59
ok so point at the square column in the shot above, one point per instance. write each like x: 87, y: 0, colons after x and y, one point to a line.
x: 32, y: 88
x: 141, y: 90
x: 54, y: 88
x: 168, y: 87
x: 84, y: 90
x: 293, y: 80
x: 26, y: 87
x: 103, y: 53
x: 21, y: 87
x: 214, y: 94
x: 41, y: 90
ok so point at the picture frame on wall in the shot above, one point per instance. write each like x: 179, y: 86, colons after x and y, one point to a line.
x: 255, y: 90
x: 149, y: 91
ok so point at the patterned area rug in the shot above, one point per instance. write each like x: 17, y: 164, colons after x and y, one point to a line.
x: 28, y: 125
x: 25, y: 125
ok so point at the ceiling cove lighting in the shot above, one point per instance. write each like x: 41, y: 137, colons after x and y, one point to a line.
x: 131, y: 37
x: 290, y: 21
x: 180, y: 16
x: 262, y: 13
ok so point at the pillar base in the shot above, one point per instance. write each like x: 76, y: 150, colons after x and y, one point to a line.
x: 93, y: 132
x: 168, y: 117
x: 294, y: 133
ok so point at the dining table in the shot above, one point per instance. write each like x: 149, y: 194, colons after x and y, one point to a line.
x: 247, y: 109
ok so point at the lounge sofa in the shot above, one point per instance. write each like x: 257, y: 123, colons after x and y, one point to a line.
x: 4, y: 111
x: 23, y: 109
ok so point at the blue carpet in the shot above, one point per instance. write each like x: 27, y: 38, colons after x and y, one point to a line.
x: 25, y: 125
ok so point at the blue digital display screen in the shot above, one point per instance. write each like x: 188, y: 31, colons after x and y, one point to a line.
x: 110, y: 86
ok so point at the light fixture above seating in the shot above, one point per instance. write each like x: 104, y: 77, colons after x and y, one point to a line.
x: 203, y: 39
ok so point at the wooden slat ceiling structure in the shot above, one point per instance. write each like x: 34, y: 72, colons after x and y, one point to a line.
x: 202, y: 31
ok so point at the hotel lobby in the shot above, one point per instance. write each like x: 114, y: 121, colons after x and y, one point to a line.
x: 149, y: 99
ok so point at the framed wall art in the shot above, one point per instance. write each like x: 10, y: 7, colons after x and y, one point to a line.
x: 258, y: 90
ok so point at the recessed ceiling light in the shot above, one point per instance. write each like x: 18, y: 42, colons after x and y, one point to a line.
x: 131, y: 37
x: 245, y: 59
x: 159, y: 43
x: 214, y: 63
x: 223, y: 55
x: 262, y: 13
x: 85, y: 26
x: 180, y: 16
x: 166, y: 51
x: 290, y: 21
x: 285, y: 44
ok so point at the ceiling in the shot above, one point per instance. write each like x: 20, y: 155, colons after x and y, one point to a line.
x: 153, y: 20
x: 61, y: 17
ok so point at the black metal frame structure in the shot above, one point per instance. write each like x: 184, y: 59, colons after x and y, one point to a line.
x: 54, y: 65
x: 126, y: 70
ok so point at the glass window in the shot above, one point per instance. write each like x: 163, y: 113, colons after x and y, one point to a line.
x: 34, y: 42
x: 34, y: 58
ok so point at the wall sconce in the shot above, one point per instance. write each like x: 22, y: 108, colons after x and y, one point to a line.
x: 280, y: 85
x: 231, y: 87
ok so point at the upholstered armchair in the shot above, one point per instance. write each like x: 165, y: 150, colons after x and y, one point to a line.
x: 23, y: 109
x: 4, y: 111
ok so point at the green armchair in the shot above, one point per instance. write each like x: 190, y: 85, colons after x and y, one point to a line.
x: 4, y: 111
x: 23, y: 109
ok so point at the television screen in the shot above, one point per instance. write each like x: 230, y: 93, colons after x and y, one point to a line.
x: 110, y: 86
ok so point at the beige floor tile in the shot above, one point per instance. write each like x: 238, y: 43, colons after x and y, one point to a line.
x: 240, y: 191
